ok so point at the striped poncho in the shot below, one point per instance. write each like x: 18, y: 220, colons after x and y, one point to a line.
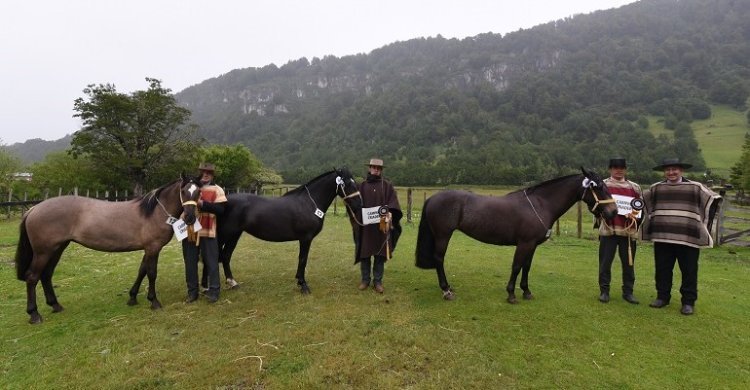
x: 679, y: 213
x: 619, y: 225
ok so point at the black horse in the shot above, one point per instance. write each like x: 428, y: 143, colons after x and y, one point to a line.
x: 296, y: 216
x: 523, y: 218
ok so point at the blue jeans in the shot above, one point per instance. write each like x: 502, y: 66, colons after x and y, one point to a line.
x: 378, y: 269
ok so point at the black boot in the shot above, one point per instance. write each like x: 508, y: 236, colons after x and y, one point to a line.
x: 604, y: 296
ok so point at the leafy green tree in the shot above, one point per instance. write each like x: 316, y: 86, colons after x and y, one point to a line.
x: 740, y: 173
x: 132, y: 136
x: 61, y: 170
x: 236, y: 166
x: 9, y: 164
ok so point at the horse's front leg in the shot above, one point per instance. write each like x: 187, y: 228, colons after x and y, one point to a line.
x: 152, y: 261
x: 519, y: 260
x: 525, y: 275
x: 137, y: 285
x: 304, y: 250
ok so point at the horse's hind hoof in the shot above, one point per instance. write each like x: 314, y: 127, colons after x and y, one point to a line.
x: 305, y: 290
x: 56, y: 308
x: 449, y: 295
x: 35, y: 318
x: 512, y: 300
x: 155, y: 304
x: 528, y: 296
x: 132, y: 301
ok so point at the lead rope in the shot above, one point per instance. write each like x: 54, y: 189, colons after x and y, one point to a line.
x: 535, y: 212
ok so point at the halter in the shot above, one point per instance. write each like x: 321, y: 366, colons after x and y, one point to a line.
x: 184, y: 203
x: 340, y: 185
x: 597, y: 202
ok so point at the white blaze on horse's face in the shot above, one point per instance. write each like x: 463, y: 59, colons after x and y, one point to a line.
x: 191, y: 190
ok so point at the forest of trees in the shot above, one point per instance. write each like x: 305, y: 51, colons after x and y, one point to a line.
x: 494, y: 109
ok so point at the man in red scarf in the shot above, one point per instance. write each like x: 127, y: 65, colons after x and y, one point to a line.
x: 210, y: 203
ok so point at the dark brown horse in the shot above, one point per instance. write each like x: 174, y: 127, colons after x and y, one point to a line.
x: 296, y: 216
x: 48, y: 228
x: 523, y: 218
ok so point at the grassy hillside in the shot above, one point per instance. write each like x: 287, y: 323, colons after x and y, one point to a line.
x: 720, y: 137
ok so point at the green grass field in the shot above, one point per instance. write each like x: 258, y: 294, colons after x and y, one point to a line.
x: 265, y: 335
x: 720, y: 137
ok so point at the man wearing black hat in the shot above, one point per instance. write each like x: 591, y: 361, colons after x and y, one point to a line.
x: 620, y: 233
x: 679, y: 217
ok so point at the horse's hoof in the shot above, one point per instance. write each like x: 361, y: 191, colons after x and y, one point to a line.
x: 528, y: 296
x: 35, y: 318
x: 305, y: 290
x: 231, y: 283
x: 449, y: 295
x: 155, y: 304
x: 132, y: 301
x: 56, y: 308
x: 512, y: 300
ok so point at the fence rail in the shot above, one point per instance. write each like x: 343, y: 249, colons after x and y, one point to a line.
x: 415, y: 199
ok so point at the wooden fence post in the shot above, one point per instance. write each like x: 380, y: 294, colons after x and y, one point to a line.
x: 580, y: 221
x: 719, y: 233
x: 408, y: 204
x: 10, y: 198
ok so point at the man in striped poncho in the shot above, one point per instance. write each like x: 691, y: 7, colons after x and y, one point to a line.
x: 619, y: 234
x: 679, y: 217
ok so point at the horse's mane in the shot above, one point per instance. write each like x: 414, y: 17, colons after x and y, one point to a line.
x: 530, y: 190
x: 147, y: 202
x: 301, y: 188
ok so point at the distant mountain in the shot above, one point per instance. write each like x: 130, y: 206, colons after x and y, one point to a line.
x: 36, y: 149
x: 490, y: 108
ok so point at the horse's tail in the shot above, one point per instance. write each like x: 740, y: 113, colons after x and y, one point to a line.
x: 24, y: 252
x: 425, y: 253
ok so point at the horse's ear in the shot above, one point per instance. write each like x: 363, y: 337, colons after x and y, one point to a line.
x: 182, y: 176
x: 585, y: 172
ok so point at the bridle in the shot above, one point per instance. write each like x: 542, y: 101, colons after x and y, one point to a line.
x: 340, y: 184
x: 589, y: 184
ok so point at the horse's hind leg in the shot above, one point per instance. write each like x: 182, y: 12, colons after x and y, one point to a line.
x: 441, y: 246
x: 46, y: 279
x: 304, y: 250
x: 225, y: 256
x: 133, y: 293
x: 38, y: 264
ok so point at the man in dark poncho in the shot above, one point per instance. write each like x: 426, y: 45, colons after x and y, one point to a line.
x: 378, y: 234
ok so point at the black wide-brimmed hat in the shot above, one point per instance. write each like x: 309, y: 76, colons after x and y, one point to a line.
x: 617, y: 162
x: 672, y: 162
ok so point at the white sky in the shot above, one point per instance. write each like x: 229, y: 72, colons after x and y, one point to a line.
x: 50, y: 50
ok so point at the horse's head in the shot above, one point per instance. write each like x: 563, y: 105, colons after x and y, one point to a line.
x: 597, y: 196
x: 346, y: 188
x: 189, y: 194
